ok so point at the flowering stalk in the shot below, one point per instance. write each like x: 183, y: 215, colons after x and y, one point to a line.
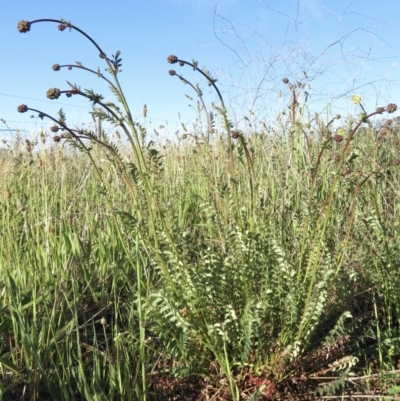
x: 126, y: 121
x: 326, y: 209
x: 172, y: 59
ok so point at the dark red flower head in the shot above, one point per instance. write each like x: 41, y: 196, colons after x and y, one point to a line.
x: 172, y: 59
x: 23, y: 108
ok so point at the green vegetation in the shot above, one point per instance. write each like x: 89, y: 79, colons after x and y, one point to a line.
x: 242, y: 267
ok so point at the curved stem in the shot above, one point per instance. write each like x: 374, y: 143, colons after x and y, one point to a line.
x: 90, y: 70
x: 69, y: 25
x: 209, y: 79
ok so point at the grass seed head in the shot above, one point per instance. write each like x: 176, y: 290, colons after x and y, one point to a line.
x: 20, y: 206
x: 43, y: 137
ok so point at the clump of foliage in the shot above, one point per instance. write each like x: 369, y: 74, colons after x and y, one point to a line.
x: 235, y: 267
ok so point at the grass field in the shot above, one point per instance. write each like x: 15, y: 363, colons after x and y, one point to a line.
x: 251, y: 266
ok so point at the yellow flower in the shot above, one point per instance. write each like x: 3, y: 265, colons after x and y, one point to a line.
x: 356, y: 99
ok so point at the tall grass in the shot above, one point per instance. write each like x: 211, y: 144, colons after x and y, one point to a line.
x: 244, y: 267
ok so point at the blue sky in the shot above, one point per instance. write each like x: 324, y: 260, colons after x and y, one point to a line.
x: 344, y: 46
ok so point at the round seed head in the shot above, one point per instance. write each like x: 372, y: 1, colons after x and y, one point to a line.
x: 391, y: 108
x: 285, y: 80
x: 56, y: 67
x: 53, y: 93
x: 172, y: 72
x: 61, y: 27
x: 24, y: 26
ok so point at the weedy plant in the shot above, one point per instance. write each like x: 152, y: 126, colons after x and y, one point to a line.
x: 238, y: 268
